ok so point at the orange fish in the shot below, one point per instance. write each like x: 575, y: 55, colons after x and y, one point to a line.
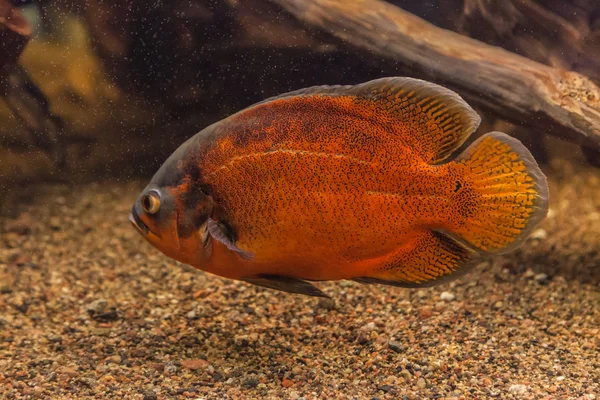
x: 344, y: 182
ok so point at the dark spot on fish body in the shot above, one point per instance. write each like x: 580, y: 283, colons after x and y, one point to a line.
x: 458, y: 186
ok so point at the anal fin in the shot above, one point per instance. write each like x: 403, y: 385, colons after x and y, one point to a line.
x: 430, y: 259
x: 285, y: 284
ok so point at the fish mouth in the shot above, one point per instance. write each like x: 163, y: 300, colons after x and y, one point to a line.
x: 137, y: 222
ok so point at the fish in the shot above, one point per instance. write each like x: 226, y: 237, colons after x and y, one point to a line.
x: 368, y: 183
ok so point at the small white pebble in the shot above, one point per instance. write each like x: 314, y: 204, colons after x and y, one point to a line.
x: 541, y: 278
x: 368, y: 327
x: 447, y: 296
x: 421, y: 383
x: 517, y: 388
x: 590, y: 396
x: 529, y: 273
x: 157, y: 312
x: 560, y: 378
x: 539, y: 234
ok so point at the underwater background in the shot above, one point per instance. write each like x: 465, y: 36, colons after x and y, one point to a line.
x: 97, y: 94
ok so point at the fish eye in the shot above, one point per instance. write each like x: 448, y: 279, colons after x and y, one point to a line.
x: 151, y: 202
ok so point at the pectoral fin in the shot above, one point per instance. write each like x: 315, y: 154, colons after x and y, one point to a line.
x: 220, y: 234
x: 206, y: 241
x: 285, y: 284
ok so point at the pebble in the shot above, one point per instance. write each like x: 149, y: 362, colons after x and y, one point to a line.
x: 54, y: 338
x: 368, y: 327
x: 529, y: 273
x: 517, y: 388
x: 286, y: 383
x: 149, y: 395
x: 68, y: 371
x: 250, y: 383
x: 97, y: 306
x: 421, y: 383
x: 170, y: 367
x: 194, y: 364
x: 425, y: 312
x: 395, y: 346
x: 55, y: 223
x: 539, y: 234
x: 541, y: 278
x: 385, y: 388
x: 326, y: 304
x: 113, y: 359
x: 447, y: 296
x: 100, y: 331
x: 191, y: 315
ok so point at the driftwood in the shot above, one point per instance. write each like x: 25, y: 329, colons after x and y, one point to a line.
x: 564, y: 34
x: 560, y: 33
x: 525, y: 92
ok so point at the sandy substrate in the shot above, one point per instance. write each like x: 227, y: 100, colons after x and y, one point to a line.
x: 89, y: 310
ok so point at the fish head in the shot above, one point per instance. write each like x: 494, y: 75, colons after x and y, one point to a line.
x: 154, y: 216
x: 173, y: 209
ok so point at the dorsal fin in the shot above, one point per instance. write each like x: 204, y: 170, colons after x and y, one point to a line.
x: 432, y: 120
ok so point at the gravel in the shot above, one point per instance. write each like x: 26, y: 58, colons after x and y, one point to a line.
x: 89, y: 310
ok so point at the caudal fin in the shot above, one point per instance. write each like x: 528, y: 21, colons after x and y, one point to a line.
x: 505, y: 194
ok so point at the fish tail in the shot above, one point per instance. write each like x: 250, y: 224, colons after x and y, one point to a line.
x: 503, y: 196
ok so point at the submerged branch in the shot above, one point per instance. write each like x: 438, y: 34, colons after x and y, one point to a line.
x: 525, y: 92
